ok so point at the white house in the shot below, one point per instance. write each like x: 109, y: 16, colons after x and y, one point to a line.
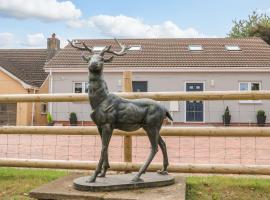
x: 205, y: 64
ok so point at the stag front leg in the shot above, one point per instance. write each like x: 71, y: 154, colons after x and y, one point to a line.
x: 106, y: 137
x: 106, y: 164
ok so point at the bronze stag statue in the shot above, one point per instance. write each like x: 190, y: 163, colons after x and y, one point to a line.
x: 113, y: 112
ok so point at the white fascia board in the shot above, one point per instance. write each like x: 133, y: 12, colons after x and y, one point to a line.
x: 167, y: 69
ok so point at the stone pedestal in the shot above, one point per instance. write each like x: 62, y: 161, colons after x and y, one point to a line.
x: 62, y: 189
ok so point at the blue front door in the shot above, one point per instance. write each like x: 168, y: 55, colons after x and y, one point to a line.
x: 194, y: 109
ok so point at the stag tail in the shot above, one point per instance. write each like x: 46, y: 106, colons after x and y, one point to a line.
x: 168, y: 115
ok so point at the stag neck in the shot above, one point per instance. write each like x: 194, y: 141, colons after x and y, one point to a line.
x: 97, y: 89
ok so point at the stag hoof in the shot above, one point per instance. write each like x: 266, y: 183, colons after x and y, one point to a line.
x: 102, y: 175
x: 92, y: 179
x: 162, y: 172
x: 137, y: 179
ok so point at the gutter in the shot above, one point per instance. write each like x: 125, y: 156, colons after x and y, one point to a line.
x: 165, y: 69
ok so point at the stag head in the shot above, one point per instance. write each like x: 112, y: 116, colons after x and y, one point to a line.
x: 96, y: 60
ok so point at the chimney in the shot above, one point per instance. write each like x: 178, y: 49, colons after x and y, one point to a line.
x: 53, y: 45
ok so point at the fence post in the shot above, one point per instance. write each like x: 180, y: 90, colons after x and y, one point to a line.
x: 127, y: 87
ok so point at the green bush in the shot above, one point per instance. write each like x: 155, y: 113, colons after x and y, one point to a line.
x: 73, y: 119
x: 261, y: 118
x: 49, y: 119
x: 226, y: 117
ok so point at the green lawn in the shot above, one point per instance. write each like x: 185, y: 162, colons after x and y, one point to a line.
x: 227, y: 188
x: 16, y: 183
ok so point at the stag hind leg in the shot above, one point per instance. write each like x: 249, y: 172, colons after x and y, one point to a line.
x: 153, y: 135
x: 106, y: 137
x: 106, y: 164
x: 163, y: 147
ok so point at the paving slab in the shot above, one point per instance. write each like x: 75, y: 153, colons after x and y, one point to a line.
x: 62, y: 188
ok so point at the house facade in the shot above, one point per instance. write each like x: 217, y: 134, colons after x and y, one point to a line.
x: 21, y: 72
x: 217, y: 64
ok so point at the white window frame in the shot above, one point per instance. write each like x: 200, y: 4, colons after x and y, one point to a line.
x: 195, y: 47
x: 135, y: 48
x: 98, y: 48
x: 233, y: 48
x: 84, y: 85
x: 249, y: 89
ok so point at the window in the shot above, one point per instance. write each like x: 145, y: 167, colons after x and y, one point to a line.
x: 250, y: 86
x: 80, y: 87
x: 139, y: 86
x: 3, y: 107
x: 43, y: 108
x: 193, y: 47
x: 232, y: 48
x: 135, y: 48
x: 98, y: 48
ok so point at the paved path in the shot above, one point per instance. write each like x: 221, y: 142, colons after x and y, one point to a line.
x: 214, y: 150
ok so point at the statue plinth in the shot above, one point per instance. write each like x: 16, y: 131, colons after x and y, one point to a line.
x: 122, y: 182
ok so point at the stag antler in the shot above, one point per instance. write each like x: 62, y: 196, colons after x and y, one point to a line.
x: 84, y: 48
x: 122, y: 52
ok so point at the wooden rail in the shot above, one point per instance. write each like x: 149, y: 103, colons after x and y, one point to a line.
x: 159, y: 96
x: 125, y: 166
x: 165, y: 131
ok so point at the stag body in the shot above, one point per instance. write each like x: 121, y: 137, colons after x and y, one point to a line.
x: 112, y: 112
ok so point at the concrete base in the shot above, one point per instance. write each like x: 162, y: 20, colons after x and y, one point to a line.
x: 62, y: 188
x: 122, y: 182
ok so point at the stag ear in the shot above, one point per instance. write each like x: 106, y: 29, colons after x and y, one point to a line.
x: 108, y: 59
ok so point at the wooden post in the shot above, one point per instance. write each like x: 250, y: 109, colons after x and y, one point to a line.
x: 127, y: 87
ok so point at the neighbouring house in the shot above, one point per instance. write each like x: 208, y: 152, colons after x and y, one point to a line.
x: 199, y: 64
x: 21, y: 72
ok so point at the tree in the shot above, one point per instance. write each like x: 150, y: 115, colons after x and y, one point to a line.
x: 257, y: 25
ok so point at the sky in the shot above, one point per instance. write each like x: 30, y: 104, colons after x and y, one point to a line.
x: 28, y: 23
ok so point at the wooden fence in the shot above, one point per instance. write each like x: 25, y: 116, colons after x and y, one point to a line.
x: 166, y: 131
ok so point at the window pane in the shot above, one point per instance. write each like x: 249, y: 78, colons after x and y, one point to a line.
x: 86, y: 87
x: 255, y: 86
x: 139, y: 86
x: 243, y: 86
x: 195, y: 47
x: 43, y: 108
x: 78, y: 88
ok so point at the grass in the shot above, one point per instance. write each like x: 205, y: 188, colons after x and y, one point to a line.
x: 15, y: 184
x: 227, y: 188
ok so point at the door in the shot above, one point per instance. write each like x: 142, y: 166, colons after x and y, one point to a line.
x: 194, y: 109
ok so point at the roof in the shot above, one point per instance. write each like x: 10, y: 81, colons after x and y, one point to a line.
x: 25, y: 64
x: 174, y: 53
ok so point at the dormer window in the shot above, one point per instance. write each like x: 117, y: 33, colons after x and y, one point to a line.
x: 135, y: 48
x: 98, y: 48
x: 232, y: 48
x: 193, y: 47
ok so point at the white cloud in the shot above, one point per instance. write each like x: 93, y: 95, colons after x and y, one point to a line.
x: 128, y: 27
x: 77, y: 23
x: 45, y: 10
x: 35, y: 40
x: 6, y: 39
